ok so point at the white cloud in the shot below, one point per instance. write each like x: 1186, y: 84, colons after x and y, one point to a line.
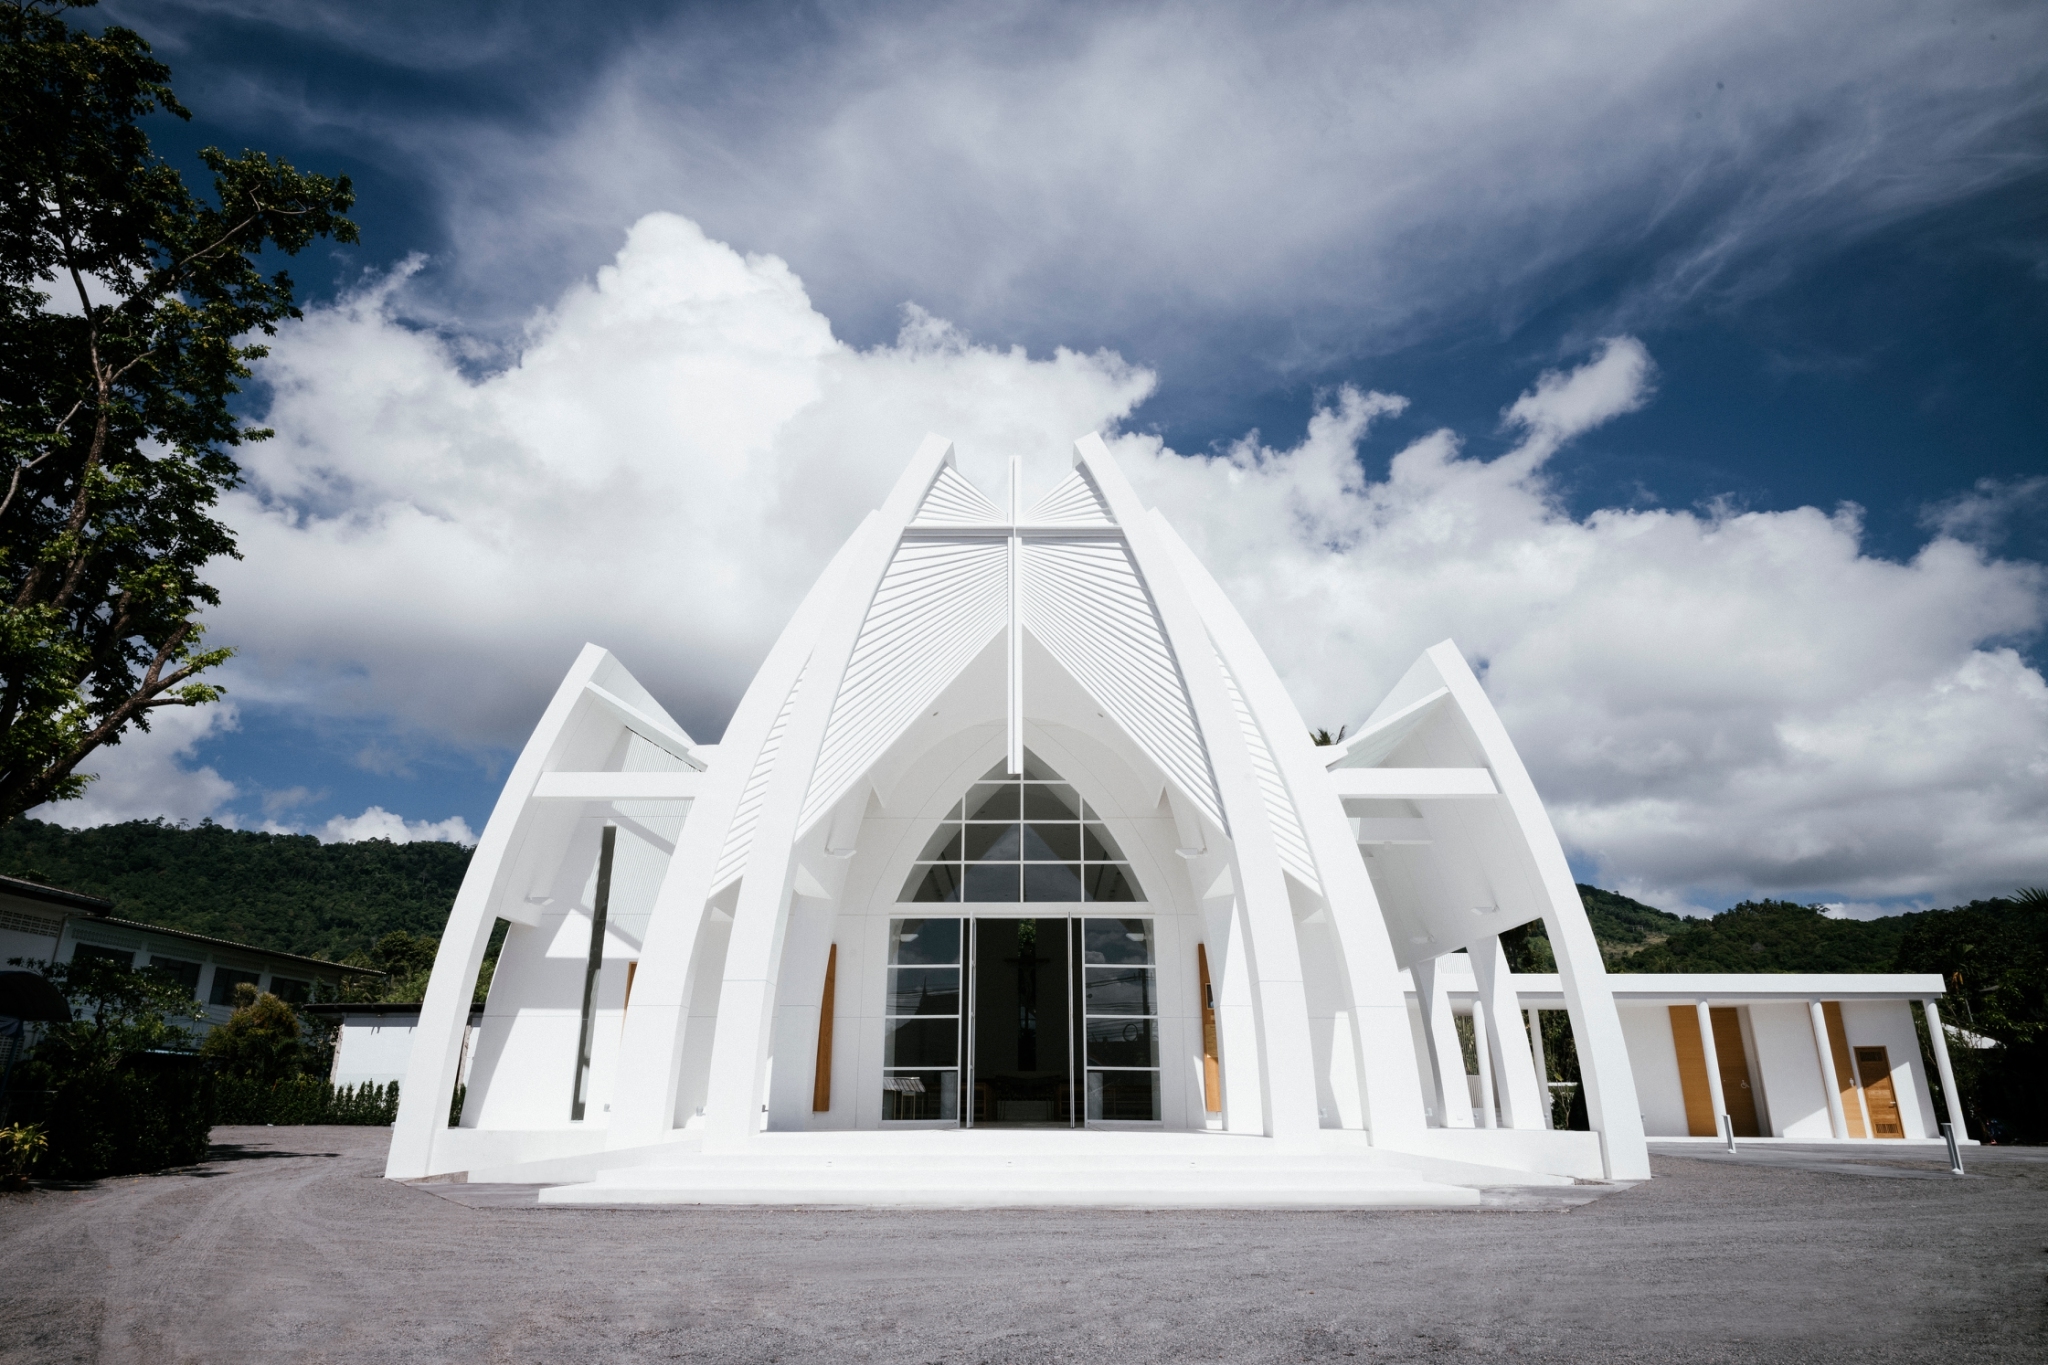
x: 145, y: 776
x: 1331, y: 176
x: 378, y: 823
x: 1716, y: 703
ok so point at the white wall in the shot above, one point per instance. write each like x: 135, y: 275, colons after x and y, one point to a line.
x: 1653, y: 1058
x: 1790, y: 1067
x: 374, y: 1049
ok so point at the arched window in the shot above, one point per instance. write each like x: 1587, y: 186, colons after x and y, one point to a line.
x: 1032, y: 840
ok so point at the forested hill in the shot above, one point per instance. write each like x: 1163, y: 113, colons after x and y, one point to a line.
x: 284, y: 891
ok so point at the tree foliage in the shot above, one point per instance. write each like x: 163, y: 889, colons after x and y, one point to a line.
x: 259, y: 1042
x: 287, y: 892
x: 125, y: 300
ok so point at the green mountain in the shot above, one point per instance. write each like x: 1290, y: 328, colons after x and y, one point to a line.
x: 1774, y: 936
x: 288, y: 892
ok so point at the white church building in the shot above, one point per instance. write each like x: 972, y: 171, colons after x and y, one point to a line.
x: 1016, y: 878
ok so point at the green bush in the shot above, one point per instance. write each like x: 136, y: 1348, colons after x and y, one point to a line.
x: 301, y: 1100
x: 142, y: 1115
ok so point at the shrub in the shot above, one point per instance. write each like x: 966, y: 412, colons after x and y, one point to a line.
x: 302, y: 1100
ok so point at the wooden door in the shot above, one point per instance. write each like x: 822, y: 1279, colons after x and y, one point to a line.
x: 1874, y: 1066
x: 1692, y: 1072
x: 1734, y: 1060
x: 1845, y: 1073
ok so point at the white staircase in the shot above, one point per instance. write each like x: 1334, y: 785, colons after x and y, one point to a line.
x: 1019, y: 1168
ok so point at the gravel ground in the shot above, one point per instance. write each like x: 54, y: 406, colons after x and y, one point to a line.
x: 288, y: 1246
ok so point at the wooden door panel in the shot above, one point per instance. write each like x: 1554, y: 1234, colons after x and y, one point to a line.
x: 1874, y: 1068
x: 1735, y: 1078
x: 1692, y: 1072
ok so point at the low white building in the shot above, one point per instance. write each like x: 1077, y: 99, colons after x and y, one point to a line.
x: 1802, y: 1057
x: 1016, y: 878
x: 373, y: 1041
x: 48, y: 924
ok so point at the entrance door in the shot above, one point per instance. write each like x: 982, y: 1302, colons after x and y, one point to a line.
x: 1875, y: 1066
x: 1021, y: 1029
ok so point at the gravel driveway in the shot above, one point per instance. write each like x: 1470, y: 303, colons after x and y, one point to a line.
x: 289, y: 1246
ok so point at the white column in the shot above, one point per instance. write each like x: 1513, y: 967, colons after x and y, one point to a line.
x: 1542, y: 1065
x: 1484, y: 1056
x: 1829, y: 1079
x: 1950, y: 1098
x: 1513, y: 1072
x: 1713, y: 1057
x: 1440, y: 1037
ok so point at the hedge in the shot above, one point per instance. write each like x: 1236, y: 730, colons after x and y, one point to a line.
x: 303, y: 1099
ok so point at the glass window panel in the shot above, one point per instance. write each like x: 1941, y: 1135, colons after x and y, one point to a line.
x: 993, y: 803
x: 1122, y: 1042
x: 921, y: 1095
x: 993, y: 843
x: 1052, y: 882
x: 992, y: 882
x: 290, y: 991
x: 943, y: 846
x: 1117, y: 941
x: 1098, y: 847
x: 1127, y: 1096
x: 225, y: 979
x: 924, y: 990
x: 1052, y: 843
x: 1121, y: 990
x: 1036, y: 771
x: 921, y: 1042
x: 186, y: 974
x: 940, y: 882
x: 1111, y: 882
x: 924, y: 942
x: 1051, y: 801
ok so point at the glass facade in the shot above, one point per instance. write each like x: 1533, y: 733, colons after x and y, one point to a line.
x: 921, y: 1030
x: 1012, y: 841
x: 1120, y: 1019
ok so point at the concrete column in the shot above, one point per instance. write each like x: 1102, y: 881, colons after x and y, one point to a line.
x: 1542, y: 1065
x: 1484, y: 1055
x: 1713, y: 1056
x: 1830, y: 1080
x: 1950, y: 1097
x: 1513, y: 1072
x: 1440, y: 1039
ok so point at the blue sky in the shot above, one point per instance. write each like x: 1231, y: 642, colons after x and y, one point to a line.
x: 1825, y: 228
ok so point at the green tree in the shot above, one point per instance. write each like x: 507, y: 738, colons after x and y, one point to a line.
x: 117, y: 1089
x: 124, y: 300
x: 260, y: 1041
x: 116, y: 1012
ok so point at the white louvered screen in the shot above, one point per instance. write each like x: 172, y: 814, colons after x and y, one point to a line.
x: 1083, y: 600
x: 29, y: 924
x: 935, y: 610
x: 739, y: 835
x: 1280, y: 812
x: 1074, y: 503
x: 953, y: 501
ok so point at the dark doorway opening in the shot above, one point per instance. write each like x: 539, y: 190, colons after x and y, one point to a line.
x: 1022, y: 1031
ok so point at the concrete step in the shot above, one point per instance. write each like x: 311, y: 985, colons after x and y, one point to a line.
x: 964, y: 1180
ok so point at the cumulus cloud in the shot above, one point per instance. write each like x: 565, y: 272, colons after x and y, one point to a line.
x: 146, y: 775
x: 378, y: 823
x: 1715, y: 702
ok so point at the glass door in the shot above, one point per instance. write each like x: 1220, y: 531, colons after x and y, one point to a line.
x: 1020, y: 1033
